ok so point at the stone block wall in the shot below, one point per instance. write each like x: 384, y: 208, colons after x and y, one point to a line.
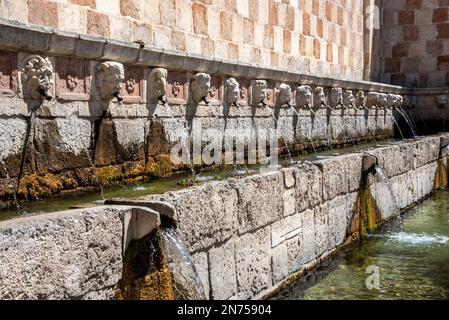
x: 416, y: 43
x: 247, y: 236
x: 256, y: 232
x: 315, y: 37
x: 57, y: 146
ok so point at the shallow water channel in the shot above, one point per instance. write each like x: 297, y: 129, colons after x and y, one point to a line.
x: 412, y: 258
x: 172, y: 183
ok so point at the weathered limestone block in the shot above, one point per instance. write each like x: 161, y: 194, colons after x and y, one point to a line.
x: 405, y: 191
x: 309, y: 186
x: 206, y: 215
x: 119, y: 140
x: 12, y: 136
x: 350, y: 124
x: 223, y: 280
x: 427, y: 150
x: 289, y: 178
x: 279, y: 262
x: 260, y: 200
x: 285, y: 229
x: 395, y: 160
x: 426, y: 178
x: 335, y: 181
x: 302, y: 129
x: 321, y: 220
x: 62, y: 144
x: 336, y: 126
x: 253, y: 262
x: 353, y: 170
x: 372, y: 123
x: 338, y: 211
x: 319, y: 128
x: 62, y: 255
x: 340, y: 175
x: 289, y: 202
x: 309, y: 237
x: 201, y: 262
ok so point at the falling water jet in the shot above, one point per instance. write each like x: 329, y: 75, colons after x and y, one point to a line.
x: 284, y: 140
x: 95, y: 139
x: 30, y: 128
x: 407, y: 120
x: 397, y: 126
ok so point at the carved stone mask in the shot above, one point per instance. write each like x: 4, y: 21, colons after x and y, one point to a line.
x: 109, y: 78
x: 284, y: 95
x: 360, y: 100
x: 258, y: 92
x: 303, y: 96
x: 38, y: 77
x: 391, y: 100
x: 399, y: 100
x: 372, y: 99
x: 348, y: 98
x: 336, y: 97
x: 158, y: 85
x: 382, y: 100
x: 232, y: 91
x: 320, y: 97
x: 199, y: 87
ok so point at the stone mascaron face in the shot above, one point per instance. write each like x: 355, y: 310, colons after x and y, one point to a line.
x: 158, y: 85
x: 360, y: 99
x: 232, y: 91
x: 320, y: 97
x: 259, y: 91
x: 348, y: 98
x: 199, y: 87
x: 304, y: 96
x: 109, y: 78
x: 336, y: 97
x: 284, y: 95
x: 38, y: 77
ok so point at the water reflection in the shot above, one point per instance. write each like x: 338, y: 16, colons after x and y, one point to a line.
x: 413, y: 262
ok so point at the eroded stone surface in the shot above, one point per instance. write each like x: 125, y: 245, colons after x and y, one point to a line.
x: 253, y: 262
x: 223, y: 280
x: 61, y: 256
x: 260, y: 200
x: 216, y: 204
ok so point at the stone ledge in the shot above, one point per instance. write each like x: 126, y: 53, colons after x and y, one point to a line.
x: 16, y: 36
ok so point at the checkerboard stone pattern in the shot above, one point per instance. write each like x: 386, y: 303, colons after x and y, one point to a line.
x: 416, y: 42
x: 318, y: 37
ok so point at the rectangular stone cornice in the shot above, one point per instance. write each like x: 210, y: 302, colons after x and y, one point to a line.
x: 23, y: 37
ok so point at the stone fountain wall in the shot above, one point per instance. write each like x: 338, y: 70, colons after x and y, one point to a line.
x: 83, y: 137
x: 247, y: 236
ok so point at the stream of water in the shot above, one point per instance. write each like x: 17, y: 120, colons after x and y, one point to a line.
x: 412, y: 259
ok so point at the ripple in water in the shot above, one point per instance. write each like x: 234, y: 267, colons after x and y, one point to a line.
x: 413, y: 239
